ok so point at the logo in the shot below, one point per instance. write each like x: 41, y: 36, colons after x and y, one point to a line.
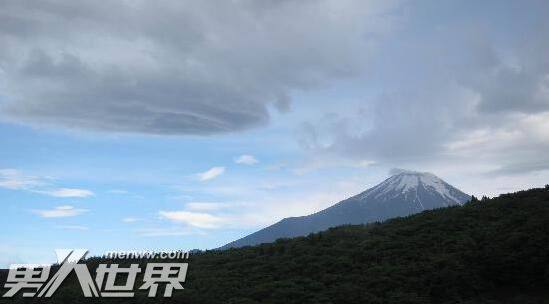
x: 34, y: 277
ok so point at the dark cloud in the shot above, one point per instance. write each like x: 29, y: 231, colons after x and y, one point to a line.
x: 175, y: 67
x: 521, y: 166
x: 509, y: 89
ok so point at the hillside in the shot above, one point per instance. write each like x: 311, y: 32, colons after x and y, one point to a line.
x: 488, y: 251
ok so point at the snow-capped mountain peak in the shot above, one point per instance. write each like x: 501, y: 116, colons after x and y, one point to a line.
x: 410, y: 183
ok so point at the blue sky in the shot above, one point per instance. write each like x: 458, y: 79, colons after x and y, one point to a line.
x: 128, y: 191
x: 181, y: 125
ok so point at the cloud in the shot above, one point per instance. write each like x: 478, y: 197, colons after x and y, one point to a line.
x: 439, y: 84
x: 14, y: 180
x: 158, y: 232
x: 395, y: 171
x: 196, y: 219
x: 246, y: 159
x: 131, y: 220
x: 205, y: 206
x: 119, y: 191
x: 316, y: 163
x: 211, y: 173
x: 520, y: 147
x: 214, y: 206
x: 168, y: 67
x: 60, y: 211
x: 263, y: 202
x: 69, y: 192
x: 71, y: 227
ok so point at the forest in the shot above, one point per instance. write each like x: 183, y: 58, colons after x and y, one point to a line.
x: 486, y: 251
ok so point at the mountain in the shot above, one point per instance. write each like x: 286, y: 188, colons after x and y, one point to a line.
x: 402, y: 194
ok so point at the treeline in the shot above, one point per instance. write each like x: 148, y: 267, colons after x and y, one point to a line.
x: 487, y: 251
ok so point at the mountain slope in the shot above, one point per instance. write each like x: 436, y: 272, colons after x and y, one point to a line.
x: 402, y: 194
x: 489, y: 251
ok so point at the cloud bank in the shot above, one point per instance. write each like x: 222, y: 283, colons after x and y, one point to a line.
x: 450, y: 85
x: 431, y: 80
x: 174, y: 67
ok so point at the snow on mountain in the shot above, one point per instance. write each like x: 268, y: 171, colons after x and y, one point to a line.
x: 408, y: 183
x: 402, y: 194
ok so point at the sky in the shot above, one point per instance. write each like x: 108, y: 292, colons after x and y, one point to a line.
x: 160, y: 125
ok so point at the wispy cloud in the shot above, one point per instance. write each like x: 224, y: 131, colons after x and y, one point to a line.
x: 206, y: 206
x: 59, y: 211
x: 211, y: 173
x: 157, y: 232
x: 246, y: 159
x: 215, y: 206
x: 131, y: 219
x: 195, y: 219
x: 318, y: 163
x: 14, y: 180
x: 263, y: 202
x: 118, y: 191
x: 68, y: 192
x: 71, y: 227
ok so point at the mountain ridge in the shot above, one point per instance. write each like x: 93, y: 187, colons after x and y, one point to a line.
x: 404, y: 193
